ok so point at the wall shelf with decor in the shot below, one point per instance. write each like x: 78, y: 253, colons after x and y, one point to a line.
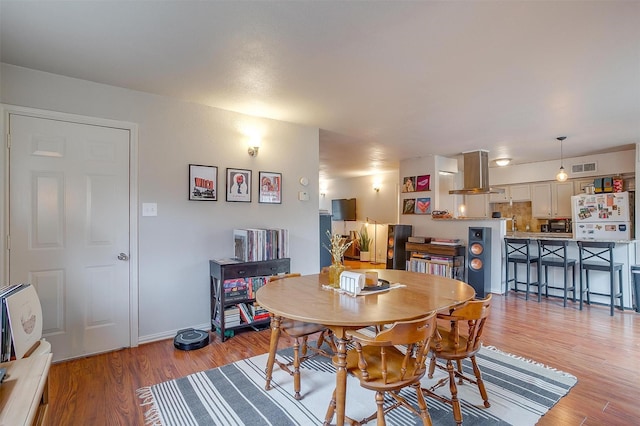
x: 233, y: 287
x: 446, y: 258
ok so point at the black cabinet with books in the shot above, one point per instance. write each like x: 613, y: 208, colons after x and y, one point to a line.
x: 233, y: 287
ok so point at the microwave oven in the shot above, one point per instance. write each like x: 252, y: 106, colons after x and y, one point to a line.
x: 560, y: 225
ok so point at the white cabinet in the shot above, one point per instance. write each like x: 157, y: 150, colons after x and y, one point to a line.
x: 500, y: 198
x: 520, y: 192
x: 511, y: 193
x: 476, y: 205
x: 551, y: 199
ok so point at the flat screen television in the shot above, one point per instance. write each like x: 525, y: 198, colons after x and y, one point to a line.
x: 343, y: 209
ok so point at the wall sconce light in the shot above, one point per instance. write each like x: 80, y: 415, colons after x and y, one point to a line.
x: 253, y: 151
x: 254, y: 146
x: 376, y: 187
x: 562, y: 175
x: 322, y: 194
x: 503, y: 161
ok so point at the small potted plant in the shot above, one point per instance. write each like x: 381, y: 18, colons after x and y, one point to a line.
x: 364, y: 242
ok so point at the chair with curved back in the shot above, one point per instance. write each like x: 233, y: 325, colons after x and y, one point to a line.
x: 299, y: 331
x: 383, y: 367
x: 458, y: 339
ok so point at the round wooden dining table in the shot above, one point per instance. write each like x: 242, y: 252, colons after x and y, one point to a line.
x: 307, y: 298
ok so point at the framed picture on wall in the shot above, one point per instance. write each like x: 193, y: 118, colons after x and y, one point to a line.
x: 423, y: 183
x: 270, y: 187
x: 203, y: 183
x: 423, y: 206
x: 409, y: 206
x: 239, y: 185
x: 409, y: 184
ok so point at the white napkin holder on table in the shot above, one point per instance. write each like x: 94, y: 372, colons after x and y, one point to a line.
x: 352, y: 282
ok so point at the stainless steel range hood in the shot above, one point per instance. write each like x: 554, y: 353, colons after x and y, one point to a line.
x: 476, y: 174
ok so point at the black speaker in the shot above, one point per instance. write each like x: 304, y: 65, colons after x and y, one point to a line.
x: 397, y: 238
x: 479, y: 269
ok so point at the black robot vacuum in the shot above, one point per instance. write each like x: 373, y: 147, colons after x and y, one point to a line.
x: 189, y: 339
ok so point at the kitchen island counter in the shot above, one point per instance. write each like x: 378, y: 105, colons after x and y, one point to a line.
x: 624, y: 252
x: 558, y: 236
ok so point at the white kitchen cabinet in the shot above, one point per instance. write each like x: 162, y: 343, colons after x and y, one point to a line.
x: 520, y: 192
x: 476, y: 205
x: 511, y: 193
x: 551, y: 199
x: 500, y: 198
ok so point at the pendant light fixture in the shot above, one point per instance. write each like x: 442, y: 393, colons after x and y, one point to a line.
x: 562, y: 175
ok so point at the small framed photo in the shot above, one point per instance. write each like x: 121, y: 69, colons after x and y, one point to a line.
x: 423, y: 206
x: 270, y: 188
x: 203, y: 183
x: 423, y: 183
x: 409, y: 184
x: 239, y: 185
x: 409, y: 206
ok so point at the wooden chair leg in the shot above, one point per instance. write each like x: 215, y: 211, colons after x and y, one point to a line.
x: 296, y: 368
x: 330, y: 410
x: 273, y: 348
x: 422, y: 404
x: 479, y: 382
x: 380, y: 410
x: 455, y: 402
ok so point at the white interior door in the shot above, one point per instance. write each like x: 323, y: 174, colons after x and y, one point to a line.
x: 69, y: 230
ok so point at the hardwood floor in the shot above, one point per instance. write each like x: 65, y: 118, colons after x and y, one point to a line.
x: 601, y: 351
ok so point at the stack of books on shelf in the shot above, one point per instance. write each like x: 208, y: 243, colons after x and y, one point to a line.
x: 242, y: 288
x: 258, y: 312
x: 235, y: 289
x: 249, y: 312
x: 252, y: 244
x: 255, y: 283
x: 232, y: 316
x: 430, y: 264
x: 447, y: 241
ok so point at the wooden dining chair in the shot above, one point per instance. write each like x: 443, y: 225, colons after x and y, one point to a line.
x: 382, y: 366
x: 457, y: 337
x: 299, y: 331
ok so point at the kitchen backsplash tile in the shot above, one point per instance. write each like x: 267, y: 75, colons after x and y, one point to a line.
x: 522, y: 211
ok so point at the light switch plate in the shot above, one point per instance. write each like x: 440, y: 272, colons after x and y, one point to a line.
x: 303, y: 196
x: 149, y: 209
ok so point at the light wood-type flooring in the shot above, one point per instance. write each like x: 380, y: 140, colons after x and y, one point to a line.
x: 603, y: 352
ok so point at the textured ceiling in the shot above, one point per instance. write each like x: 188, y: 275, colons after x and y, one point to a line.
x: 383, y: 81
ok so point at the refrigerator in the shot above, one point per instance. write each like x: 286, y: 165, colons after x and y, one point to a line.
x: 603, y: 216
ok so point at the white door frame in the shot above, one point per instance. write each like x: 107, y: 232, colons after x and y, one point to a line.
x: 5, y: 110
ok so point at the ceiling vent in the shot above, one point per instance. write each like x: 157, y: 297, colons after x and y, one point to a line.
x: 584, y: 168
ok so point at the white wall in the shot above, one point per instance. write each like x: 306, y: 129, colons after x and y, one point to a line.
x: 175, y: 247
x: 380, y: 206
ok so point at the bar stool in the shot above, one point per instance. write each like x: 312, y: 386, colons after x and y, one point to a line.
x: 553, y: 253
x: 517, y: 251
x: 602, y: 254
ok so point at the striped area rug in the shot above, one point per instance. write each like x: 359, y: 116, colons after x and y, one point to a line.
x: 520, y: 392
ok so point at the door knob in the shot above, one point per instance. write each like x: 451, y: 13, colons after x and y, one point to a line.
x: 123, y: 256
